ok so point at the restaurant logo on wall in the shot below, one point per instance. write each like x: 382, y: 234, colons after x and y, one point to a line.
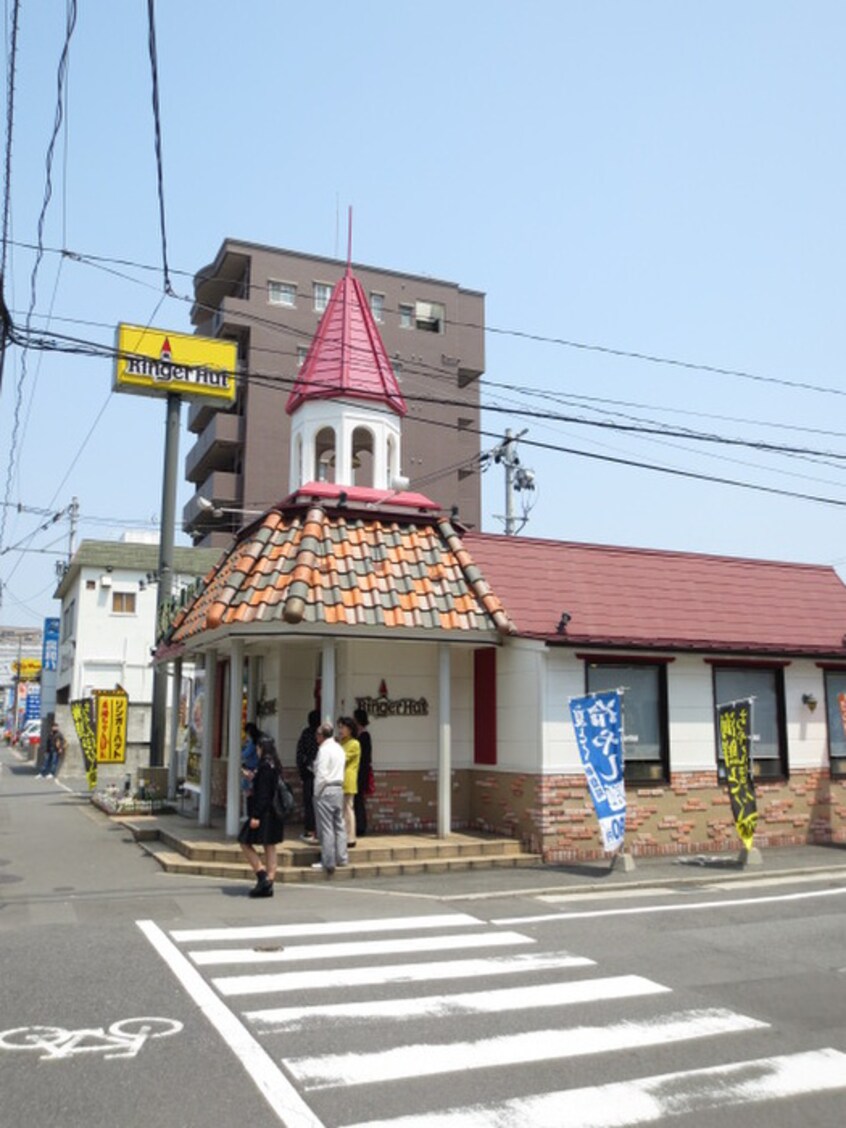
x: 735, y: 727
x: 384, y: 706
x: 152, y: 362
x: 599, y: 735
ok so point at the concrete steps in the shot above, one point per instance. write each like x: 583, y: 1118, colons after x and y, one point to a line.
x: 182, y: 851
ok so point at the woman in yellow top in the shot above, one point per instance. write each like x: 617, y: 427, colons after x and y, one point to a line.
x: 352, y: 752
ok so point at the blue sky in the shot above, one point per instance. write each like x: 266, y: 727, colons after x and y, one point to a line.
x: 656, y: 179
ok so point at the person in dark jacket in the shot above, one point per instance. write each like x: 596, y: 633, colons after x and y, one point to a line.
x: 263, y: 826
x: 306, y: 753
x: 365, y: 765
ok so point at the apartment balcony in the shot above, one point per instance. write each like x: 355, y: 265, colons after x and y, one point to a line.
x: 216, y: 448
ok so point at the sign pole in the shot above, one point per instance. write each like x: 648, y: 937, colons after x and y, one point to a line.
x: 165, y: 581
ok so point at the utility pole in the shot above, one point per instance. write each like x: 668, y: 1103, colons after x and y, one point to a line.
x: 517, y: 479
x: 73, y: 516
x: 165, y: 580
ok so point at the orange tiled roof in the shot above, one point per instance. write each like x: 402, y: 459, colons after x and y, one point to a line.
x: 319, y: 566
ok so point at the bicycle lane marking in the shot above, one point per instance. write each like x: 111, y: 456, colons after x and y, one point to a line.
x: 271, y: 1082
x: 54, y: 1043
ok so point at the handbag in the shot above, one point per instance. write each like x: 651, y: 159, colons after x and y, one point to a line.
x: 283, y: 800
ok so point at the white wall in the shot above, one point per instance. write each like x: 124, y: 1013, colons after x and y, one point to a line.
x: 690, y: 698
x: 521, y: 695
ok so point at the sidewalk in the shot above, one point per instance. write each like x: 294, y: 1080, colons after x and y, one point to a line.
x: 524, y: 874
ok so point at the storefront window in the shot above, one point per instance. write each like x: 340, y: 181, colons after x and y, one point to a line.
x: 835, y: 704
x: 644, y: 686
x: 766, y: 687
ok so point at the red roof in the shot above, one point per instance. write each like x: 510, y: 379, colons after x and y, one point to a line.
x: 347, y: 356
x: 646, y: 598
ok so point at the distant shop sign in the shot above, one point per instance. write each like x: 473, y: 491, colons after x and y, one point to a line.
x: 155, y: 362
x: 28, y: 669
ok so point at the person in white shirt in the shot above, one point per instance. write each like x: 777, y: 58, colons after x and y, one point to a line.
x: 329, y: 800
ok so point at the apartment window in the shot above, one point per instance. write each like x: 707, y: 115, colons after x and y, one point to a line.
x: 766, y: 686
x: 322, y: 294
x: 68, y: 616
x: 406, y: 316
x: 90, y: 585
x: 644, y: 697
x: 429, y: 316
x: 123, y: 602
x: 835, y: 704
x: 302, y: 353
x: 377, y: 307
x: 282, y: 293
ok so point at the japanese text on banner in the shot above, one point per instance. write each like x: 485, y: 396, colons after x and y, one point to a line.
x: 597, y: 722
x: 735, y: 726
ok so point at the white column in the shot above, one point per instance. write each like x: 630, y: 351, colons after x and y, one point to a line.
x: 327, y: 681
x: 233, y: 767
x: 444, y: 739
x: 204, y: 810
x: 172, y: 755
x: 253, y: 687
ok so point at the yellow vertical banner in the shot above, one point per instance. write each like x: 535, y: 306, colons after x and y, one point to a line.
x: 111, y: 709
x: 82, y: 713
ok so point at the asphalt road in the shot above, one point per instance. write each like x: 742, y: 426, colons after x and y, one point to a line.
x: 430, y: 1005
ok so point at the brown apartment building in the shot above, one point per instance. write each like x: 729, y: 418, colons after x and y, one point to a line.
x: 270, y: 301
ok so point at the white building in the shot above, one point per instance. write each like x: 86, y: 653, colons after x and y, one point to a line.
x: 108, y: 620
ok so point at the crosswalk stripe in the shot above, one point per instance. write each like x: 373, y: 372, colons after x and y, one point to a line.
x: 468, y: 1002
x: 325, y: 928
x: 647, y: 1100
x: 425, y: 1059
x: 353, y: 948
x: 396, y: 973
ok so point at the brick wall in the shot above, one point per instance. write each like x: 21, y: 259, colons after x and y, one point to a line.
x: 554, y: 816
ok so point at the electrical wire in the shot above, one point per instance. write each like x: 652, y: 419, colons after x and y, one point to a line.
x: 520, y: 334
x: 48, y: 192
x: 154, y: 70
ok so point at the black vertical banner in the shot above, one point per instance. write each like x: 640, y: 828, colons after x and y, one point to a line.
x: 735, y: 722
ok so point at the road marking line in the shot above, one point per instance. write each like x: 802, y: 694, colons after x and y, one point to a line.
x: 327, y: 928
x: 328, y: 1071
x: 649, y: 1099
x: 271, y: 1082
x: 683, y: 908
x: 468, y: 1002
x: 395, y: 973
x: 360, y: 948
x: 604, y: 894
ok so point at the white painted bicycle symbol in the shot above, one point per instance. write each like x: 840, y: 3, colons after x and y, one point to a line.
x: 123, y: 1039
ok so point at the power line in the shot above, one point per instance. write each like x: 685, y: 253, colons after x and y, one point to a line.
x: 63, y: 343
x: 520, y: 334
x: 154, y: 69
x: 48, y: 192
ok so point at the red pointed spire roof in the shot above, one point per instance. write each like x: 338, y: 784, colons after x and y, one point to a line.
x: 347, y: 356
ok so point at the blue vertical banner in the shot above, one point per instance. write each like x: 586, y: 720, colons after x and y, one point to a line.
x: 599, y: 734
x: 50, y: 645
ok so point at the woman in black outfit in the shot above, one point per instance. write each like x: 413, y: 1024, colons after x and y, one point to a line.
x: 364, y: 765
x: 262, y: 826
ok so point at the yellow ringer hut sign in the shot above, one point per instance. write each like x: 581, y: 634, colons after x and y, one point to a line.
x: 153, y: 362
